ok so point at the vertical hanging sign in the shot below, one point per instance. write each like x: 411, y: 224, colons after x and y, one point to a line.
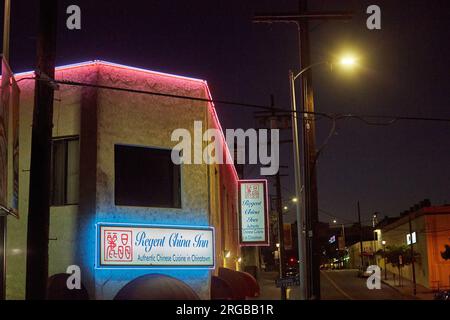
x: 253, y: 213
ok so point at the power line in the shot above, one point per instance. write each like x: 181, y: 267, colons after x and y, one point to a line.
x: 367, y: 119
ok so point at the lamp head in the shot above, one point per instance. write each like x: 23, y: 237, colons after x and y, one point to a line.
x: 348, y: 61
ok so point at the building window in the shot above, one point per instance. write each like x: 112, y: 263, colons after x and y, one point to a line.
x: 146, y: 177
x: 65, y: 171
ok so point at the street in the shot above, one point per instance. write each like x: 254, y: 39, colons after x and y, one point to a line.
x: 345, y: 285
x: 335, y: 285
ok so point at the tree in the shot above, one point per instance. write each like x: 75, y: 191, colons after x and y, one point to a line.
x: 392, y: 255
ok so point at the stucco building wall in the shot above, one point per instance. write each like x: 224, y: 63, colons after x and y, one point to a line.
x: 432, y: 227
x: 103, y: 118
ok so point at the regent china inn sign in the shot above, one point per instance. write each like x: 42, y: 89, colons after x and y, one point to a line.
x: 253, y: 213
x: 148, y: 246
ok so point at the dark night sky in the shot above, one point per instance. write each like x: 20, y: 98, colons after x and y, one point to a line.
x: 405, y: 72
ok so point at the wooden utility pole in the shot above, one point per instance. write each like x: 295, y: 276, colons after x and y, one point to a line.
x: 301, y: 19
x: 39, y: 199
x: 360, y: 237
x: 412, y: 256
x: 282, y: 251
x: 280, y: 232
x: 309, y: 154
x: 274, y: 121
x: 6, y: 29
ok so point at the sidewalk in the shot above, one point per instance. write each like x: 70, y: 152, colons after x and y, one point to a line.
x: 406, y: 288
x: 269, y: 291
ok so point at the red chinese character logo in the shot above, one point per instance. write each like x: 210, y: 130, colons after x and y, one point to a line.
x: 251, y: 191
x: 117, y: 245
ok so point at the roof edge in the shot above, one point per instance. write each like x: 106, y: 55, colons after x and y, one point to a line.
x: 113, y: 64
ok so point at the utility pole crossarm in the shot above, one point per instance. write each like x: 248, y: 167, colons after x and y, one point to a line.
x: 311, y: 15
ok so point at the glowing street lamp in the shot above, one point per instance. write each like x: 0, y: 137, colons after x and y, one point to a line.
x: 346, y: 62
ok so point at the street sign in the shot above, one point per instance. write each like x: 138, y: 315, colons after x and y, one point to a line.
x: 411, y: 238
x: 332, y: 239
x: 287, y: 282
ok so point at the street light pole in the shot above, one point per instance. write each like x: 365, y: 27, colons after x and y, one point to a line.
x: 297, y: 171
x: 307, y: 253
x: 298, y: 181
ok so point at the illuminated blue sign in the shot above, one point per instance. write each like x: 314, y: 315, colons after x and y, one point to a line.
x: 150, y: 246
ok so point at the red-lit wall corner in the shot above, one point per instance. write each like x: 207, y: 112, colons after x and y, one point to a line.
x: 228, y: 179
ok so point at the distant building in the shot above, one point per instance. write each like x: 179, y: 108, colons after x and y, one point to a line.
x: 369, y: 249
x: 111, y: 164
x: 341, y: 247
x: 430, y: 237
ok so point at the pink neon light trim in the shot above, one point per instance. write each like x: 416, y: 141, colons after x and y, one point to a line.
x: 217, y: 122
x: 112, y: 64
x: 60, y: 68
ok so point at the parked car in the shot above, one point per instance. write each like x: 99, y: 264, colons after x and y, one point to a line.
x: 364, y: 273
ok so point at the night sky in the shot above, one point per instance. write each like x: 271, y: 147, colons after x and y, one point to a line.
x: 404, y: 71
